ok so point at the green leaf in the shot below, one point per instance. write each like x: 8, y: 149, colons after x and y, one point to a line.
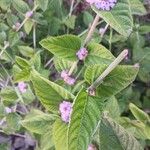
x: 5, y: 4
x: 139, y: 114
x: 85, y: 117
x: 49, y: 93
x: 42, y: 4
x: 8, y: 95
x: 13, y: 122
x: 137, y: 7
x: 20, y: 6
x: 37, y: 121
x: 115, y: 137
x: 23, y: 75
x: 60, y: 135
x: 119, y: 18
x: 87, y: 18
x: 98, y: 54
x: 23, y: 63
x: 62, y: 64
x: 64, y: 46
x: 70, y: 22
x: 112, y: 103
x: 26, y: 51
x: 116, y: 81
x: 46, y: 142
x: 28, y: 26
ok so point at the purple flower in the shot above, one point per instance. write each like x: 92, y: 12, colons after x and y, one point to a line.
x: 69, y: 80
x: 29, y: 14
x: 103, y: 4
x: 64, y: 74
x: 91, y: 147
x: 82, y: 53
x: 16, y: 26
x: 22, y: 87
x: 8, y: 110
x: 65, y: 109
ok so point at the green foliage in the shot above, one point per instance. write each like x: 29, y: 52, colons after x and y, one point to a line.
x: 38, y: 122
x: 64, y: 46
x: 84, y: 120
x: 60, y: 135
x: 119, y: 18
x: 98, y: 54
x: 116, y: 81
x: 49, y: 93
x: 113, y: 136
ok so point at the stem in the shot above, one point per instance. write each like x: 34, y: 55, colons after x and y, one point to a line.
x: 88, y: 38
x: 72, y: 68
x: 110, y: 38
x: 4, y: 48
x: 26, y: 18
x: 34, y: 35
x: 92, y: 29
x: 105, y: 29
x: 71, y: 8
x: 111, y: 67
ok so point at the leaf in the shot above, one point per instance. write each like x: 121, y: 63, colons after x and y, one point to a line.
x: 64, y: 46
x: 115, y: 137
x: 62, y: 64
x: 28, y: 26
x: 37, y: 121
x: 112, y: 103
x: 98, y: 54
x: 137, y: 7
x: 26, y: 51
x: 49, y: 93
x: 139, y: 114
x: 23, y: 63
x: 119, y: 18
x: 116, y: 81
x: 23, y: 75
x: 42, y: 4
x: 85, y: 117
x: 20, y: 6
x: 87, y: 18
x: 60, y: 135
x: 13, y: 122
x: 70, y: 22
x: 46, y: 142
x: 8, y: 95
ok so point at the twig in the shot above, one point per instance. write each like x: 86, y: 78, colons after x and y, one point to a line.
x: 92, y: 29
x: 111, y: 67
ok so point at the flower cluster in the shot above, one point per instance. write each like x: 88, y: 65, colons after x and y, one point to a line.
x: 16, y: 26
x: 29, y: 14
x: 91, y: 147
x: 65, y: 109
x: 69, y: 80
x: 82, y: 53
x: 22, y: 87
x: 103, y: 4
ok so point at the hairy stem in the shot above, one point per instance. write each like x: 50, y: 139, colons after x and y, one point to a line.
x: 111, y: 67
x: 91, y: 31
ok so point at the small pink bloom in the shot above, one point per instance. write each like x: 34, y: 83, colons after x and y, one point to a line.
x: 70, y: 81
x: 92, y: 147
x: 65, y: 109
x: 22, y: 87
x: 29, y: 14
x: 8, y: 110
x: 64, y: 74
x: 82, y: 53
x: 16, y: 26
